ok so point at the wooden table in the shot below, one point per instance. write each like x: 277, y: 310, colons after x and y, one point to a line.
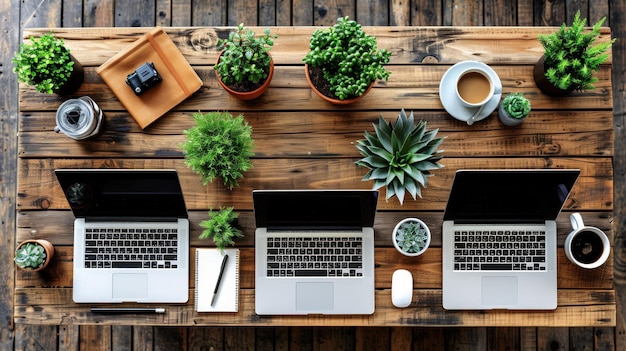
x: 304, y: 142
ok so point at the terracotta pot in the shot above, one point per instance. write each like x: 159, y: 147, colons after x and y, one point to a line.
x: 397, y: 246
x: 248, y: 95
x: 329, y: 99
x: 47, y: 246
x: 75, y: 80
x: 542, y: 82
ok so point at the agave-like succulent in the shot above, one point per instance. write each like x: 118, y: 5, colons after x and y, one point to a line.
x: 400, y: 157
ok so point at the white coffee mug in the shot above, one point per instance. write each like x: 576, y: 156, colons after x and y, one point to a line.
x: 588, y: 247
x: 474, y: 87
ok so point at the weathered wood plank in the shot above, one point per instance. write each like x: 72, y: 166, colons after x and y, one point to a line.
x: 95, y: 337
x: 98, y: 13
x: 591, y: 192
x: 69, y: 337
x: 205, y: 338
x: 135, y: 13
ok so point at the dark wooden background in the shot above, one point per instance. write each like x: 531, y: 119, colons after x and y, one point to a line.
x: 18, y: 14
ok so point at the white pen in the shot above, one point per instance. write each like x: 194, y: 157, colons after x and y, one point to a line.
x: 126, y: 310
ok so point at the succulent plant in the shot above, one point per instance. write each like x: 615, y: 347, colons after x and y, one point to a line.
x: 219, y: 146
x: 348, y: 57
x: 245, y: 63
x: 412, y: 237
x: 221, y: 227
x: 570, y: 58
x: 30, y: 255
x: 400, y: 157
x: 516, y: 105
x: 44, y: 63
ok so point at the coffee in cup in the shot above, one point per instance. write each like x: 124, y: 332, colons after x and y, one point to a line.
x: 474, y: 87
x: 585, y: 246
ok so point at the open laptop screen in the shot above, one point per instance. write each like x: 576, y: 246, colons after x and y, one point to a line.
x: 319, y: 209
x: 509, y: 195
x: 119, y: 193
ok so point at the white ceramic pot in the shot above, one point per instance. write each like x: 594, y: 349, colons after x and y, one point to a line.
x: 395, y: 233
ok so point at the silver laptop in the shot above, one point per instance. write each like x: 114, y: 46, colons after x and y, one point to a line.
x: 131, y: 235
x: 499, y: 238
x: 314, y: 251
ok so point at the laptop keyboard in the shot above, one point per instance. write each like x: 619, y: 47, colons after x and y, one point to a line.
x: 500, y: 251
x: 131, y: 248
x: 314, y: 256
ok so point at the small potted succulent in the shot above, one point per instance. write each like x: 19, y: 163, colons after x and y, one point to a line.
x: 221, y: 227
x: 245, y: 67
x: 514, y: 109
x: 219, y: 146
x: 47, y: 64
x: 411, y: 237
x: 34, y: 254
x: 570, y: 58
x: 343, y: 62
x: 400, y: 157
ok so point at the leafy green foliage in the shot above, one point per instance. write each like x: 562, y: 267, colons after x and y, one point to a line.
x: 45, y: 63
x: 570, y: 58
x: 516, y: 105
x: 221, y: 227
x: 349, y: 58
x: 245, y: 57
x: 30, y: 255
x: 400, y: 157
x: 219, y: 146
x: 411, y: 237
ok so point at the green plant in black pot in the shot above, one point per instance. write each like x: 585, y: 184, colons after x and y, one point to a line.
x: 570, y: 58
x: 514, y: 109
x: 219, y: 146
x: 245, y: 63
x: 343, y: 61
x: 400, y: 157
x: 47, y: 64
x: 221, y: 227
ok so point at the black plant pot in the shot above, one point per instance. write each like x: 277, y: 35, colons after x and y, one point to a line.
x: 542, y: 82
x: 75, y: 80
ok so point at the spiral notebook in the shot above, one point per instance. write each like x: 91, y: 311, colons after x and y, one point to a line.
x: 208, y: 264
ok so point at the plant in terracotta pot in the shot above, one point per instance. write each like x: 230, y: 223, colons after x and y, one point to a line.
x: 245, y: 67
x: 219, y: 146
x: 514, y: 109
x: 34, y: 254
x: 411, y: 237
x: 343, y: 62
x: 221, y: 227
x: 47, y: 64
x: 570, y: 58
x: 400, y: 157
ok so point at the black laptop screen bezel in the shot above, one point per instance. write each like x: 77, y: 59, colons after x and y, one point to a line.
x: 315, y: 209
x: 509, y: 196
x: 153, y: 194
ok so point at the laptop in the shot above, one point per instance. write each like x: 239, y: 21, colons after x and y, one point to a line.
x: 314, y: 251
x: 499, y: 238
x: 131, y: 235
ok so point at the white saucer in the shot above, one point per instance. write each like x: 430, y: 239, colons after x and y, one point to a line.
x: 450, y: 101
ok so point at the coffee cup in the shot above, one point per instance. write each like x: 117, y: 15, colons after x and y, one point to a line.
x: 474, y: 87
x: 587, y: 247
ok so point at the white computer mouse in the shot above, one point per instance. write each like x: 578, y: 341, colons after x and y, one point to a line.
x: 401, y: 288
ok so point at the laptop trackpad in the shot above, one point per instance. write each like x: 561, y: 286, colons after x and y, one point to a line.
x: 314, y: 297
x: 500, y: 291
x: 130, y: 286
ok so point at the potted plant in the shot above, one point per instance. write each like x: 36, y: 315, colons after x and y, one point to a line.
x: 219, y: 146
x: 411, y: 237
x: 514, y: 109
x: 400, y: 157
x: 47, y: 64
x: 34, y: 254
x: 245, y: 67
x: 343, y: 62
x: 569, y: 58
x: 221, y: 227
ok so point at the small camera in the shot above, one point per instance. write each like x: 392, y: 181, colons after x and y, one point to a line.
x: 144, y: 78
